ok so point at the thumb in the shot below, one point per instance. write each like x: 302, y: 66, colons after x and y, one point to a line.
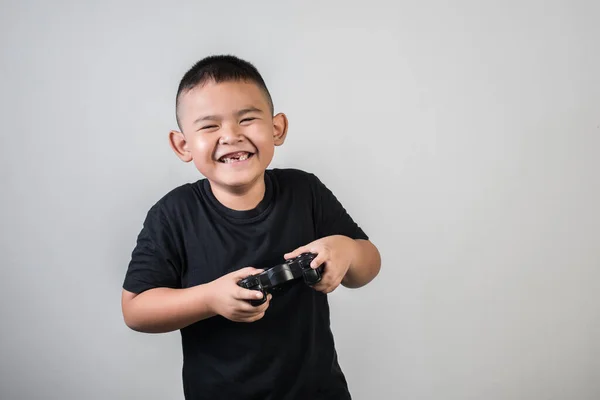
x: 244, y: 272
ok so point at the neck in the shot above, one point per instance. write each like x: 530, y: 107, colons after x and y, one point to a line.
x: 241, y: 198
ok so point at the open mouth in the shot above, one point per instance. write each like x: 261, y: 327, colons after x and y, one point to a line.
x: 235, y: 157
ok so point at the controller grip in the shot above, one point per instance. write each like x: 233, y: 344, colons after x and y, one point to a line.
x: 253, y: 283
x: 258, y: 302
x: 312, y: 276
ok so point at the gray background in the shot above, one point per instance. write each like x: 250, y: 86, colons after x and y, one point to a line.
x: 462, y: 136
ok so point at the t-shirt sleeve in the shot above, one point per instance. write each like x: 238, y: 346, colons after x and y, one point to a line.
x: 154, y: 262
x: 331, y: 217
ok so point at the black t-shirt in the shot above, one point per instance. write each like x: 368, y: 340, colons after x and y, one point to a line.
x: 190, y: 238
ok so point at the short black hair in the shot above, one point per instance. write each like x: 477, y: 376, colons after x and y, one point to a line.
x: 221, y: 68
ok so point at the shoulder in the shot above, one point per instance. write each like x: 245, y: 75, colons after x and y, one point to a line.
x: 174, y: 201
x: 290, y: 173
x: 300, y: 182
x: 295, y: 176
x: 182, y: 193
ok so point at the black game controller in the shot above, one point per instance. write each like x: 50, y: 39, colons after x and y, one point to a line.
x: 276, y: 277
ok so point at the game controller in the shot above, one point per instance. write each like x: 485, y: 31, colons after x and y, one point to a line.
x: 276, y: 277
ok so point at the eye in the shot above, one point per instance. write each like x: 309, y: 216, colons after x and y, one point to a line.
x: 208, y: 127
x: 248, y: 119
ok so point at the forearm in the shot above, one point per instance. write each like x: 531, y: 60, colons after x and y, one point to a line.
x: 365, y: 265
x: 164, y: 310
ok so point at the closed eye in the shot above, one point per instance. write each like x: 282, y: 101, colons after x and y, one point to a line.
x: 248, y: 119
x: 208, y: 127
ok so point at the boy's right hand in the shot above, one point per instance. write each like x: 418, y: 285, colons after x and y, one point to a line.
x: 231, y: 301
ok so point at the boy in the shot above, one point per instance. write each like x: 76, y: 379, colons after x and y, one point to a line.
x: 201, y: 238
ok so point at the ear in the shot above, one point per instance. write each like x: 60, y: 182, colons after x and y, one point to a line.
x: 280, y: 128
x: 179, y: 146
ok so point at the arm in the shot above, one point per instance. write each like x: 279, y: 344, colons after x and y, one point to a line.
x: 164, y: 310
x: 350, y: 262
x: 364, y: 266
x: 343, y: 244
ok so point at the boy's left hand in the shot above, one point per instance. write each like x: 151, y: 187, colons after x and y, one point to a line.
x: 336, y: 251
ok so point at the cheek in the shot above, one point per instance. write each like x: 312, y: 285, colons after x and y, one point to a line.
x: 267, y: 152
x: 202, y: 148
x: 265, y: 147
x: 262, y: 137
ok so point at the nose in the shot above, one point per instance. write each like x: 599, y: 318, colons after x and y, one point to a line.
x: 231, y: 135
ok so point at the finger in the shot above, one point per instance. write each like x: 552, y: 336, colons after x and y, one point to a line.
x: 297, y: 252
x: 326, y: 288
x: 252, y: 318
x: 333, y: 285
x: 318, y: 260
x: 319, y: 287
x: 263, y: 307
x: 248, y: 294
x: 326, y: 282
x: 329, y: 289
x: 247, y: 311
x: 246, y: 307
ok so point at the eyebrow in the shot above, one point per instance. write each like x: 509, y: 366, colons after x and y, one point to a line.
x: 238, y: 114
x: 248, y: 110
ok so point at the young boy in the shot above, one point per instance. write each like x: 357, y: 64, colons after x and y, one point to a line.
x: 201, y: 238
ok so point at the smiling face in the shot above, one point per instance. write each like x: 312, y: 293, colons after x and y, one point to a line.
x: 228, y: 132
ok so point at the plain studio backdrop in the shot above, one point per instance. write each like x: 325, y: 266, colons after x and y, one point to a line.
x: 462, y: 136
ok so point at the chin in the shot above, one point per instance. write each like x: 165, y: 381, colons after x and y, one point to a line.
x: 239, y: 180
